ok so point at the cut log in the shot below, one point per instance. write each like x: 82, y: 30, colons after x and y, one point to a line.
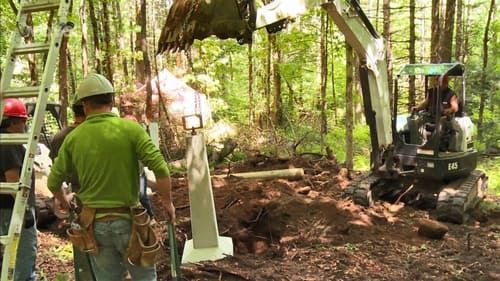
x: 290, y: 174
x: 432, y: 229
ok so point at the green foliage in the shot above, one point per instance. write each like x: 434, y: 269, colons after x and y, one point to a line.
x: 351, y: 247
x: 362, y: 147
x: 491, y: 166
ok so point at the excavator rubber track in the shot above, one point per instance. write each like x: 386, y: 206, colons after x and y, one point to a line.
x: 459, y: 197
x: 361, y: 191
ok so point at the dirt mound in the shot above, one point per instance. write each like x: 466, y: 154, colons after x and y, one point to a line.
x: 307, y: 230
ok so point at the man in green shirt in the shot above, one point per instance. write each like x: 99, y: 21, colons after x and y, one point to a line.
x: 104, y: 152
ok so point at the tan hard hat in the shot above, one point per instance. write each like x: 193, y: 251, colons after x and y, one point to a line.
x: 94, y: 84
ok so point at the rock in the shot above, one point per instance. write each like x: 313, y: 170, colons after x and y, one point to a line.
x: 432, y: 229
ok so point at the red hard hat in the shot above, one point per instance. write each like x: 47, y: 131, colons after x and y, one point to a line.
x: 14, y: 108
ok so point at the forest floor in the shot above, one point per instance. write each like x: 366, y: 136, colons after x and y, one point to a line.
x: 307, y: 230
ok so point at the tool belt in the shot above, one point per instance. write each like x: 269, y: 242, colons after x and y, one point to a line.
x: 81, y: 232
x: 144, y: 246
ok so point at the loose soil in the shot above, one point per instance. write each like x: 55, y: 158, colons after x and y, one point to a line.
x: 307, y: 230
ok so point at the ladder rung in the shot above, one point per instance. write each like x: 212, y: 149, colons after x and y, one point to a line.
x: 25, y: 92
x: 4, y: 239
x: 14, y: 138
x: 31, y: 48
x: 9, y: 187
x: 40, y: 6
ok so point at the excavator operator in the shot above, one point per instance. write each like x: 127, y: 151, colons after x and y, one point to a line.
x: 449, y: 100
x: 448, y: 107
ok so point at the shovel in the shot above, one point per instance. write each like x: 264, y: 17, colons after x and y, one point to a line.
x: 175, y: 267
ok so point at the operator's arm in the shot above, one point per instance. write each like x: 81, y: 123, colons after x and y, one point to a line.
x: 59, y: 173
x: 453, y: 106
x: 422, y: 105
x: 12, y: 175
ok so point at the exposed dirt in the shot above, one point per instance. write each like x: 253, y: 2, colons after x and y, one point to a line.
x: 306, y: 230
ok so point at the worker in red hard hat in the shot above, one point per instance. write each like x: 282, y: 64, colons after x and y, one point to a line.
x: 11, y: 161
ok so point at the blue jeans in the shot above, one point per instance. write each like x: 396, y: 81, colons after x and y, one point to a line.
x: 112, y: 240
x: 26, y: 251
x: 144, y: 198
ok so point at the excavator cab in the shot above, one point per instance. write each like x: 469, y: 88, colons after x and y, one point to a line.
x: 444, y: 144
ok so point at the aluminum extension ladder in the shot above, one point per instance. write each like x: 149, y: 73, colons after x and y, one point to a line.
x: 16, y: 84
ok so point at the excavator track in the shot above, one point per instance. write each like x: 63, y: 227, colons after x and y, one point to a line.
x: 460, y: 196
x: 361, y: 191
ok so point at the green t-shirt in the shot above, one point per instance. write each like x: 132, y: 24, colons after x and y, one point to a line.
x: 104, y: 152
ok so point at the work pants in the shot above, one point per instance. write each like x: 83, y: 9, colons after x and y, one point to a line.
x: 112, y: 240
x: 27, y: 247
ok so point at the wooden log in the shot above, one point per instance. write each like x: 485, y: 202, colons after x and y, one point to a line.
x: 432, y: 229
x: 291, y: 174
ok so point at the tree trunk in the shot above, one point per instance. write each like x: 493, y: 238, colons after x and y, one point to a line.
x: 85, y: 52
x: 446, y: 37
x: 277, y: 114
x: 459, y: 32
x: 63, y: 81
x: 267, y: 87
x: 251, y: 80
x: 31, y: 58
x: 412, y: 56
x: 143, y: 47
x: 324, y: 77
x: 108, y: 52
x: 435, y: 30
x: 484, y: 71
x: 96, y: 32
x: 349, y: 157
x: 334, y: 93
x: 387, y: 38
x: 119, y: 37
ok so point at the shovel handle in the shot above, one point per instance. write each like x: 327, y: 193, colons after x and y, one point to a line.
x: 175, y: 268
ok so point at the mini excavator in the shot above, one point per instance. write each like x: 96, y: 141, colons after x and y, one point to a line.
x: 408, y: 152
